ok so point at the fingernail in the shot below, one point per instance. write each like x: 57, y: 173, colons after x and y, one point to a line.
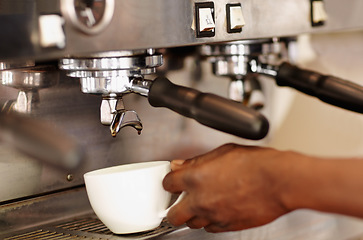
x: 178, y: 162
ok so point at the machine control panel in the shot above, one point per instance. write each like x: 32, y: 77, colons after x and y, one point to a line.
x: 58, y: 28
x: 205, y: 19
x: 235, y: 19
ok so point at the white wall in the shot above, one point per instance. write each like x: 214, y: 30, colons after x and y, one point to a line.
x: 312, y: 126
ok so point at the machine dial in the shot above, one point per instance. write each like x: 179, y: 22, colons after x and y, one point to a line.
x: 90, y: 16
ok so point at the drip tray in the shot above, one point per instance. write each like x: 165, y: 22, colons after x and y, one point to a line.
x: 89, y: 227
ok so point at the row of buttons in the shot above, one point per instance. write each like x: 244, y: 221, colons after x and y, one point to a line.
x: 206, y: 20
x: 235, y: 21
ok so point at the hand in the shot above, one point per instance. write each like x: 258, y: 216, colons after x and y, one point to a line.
x: 230, y: 188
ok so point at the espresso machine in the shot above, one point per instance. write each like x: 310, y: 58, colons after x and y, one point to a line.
x: 87, y: 84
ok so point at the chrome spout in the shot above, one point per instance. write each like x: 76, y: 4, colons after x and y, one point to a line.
x: 123, y: 119
x: 114, y: 114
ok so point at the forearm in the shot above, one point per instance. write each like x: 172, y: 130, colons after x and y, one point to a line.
x: 329, y: 185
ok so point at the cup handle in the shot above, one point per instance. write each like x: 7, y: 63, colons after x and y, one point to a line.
x: 165, y: 212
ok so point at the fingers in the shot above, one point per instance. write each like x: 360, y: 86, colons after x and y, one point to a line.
x: 217, y: 227
x: 174, y: 182
x: 180, y: 213
x: 214, y: 228
x: 185, y: 177
x: 197, y: 223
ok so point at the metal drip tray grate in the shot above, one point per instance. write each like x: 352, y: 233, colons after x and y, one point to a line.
x: 42, y: 234
x: 88, y: 227
x: 91, y: 225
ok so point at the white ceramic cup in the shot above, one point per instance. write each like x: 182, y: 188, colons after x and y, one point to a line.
x: 129, y: 198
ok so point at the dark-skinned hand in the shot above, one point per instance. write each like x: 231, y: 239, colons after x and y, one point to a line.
x: 227, y: 189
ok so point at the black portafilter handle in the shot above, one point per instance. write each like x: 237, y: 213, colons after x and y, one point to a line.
x: 208, y: 109
x: 329, y: 89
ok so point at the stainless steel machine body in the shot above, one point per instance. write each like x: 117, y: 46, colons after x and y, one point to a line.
x: 38, y: 199
x: 156, y: 24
